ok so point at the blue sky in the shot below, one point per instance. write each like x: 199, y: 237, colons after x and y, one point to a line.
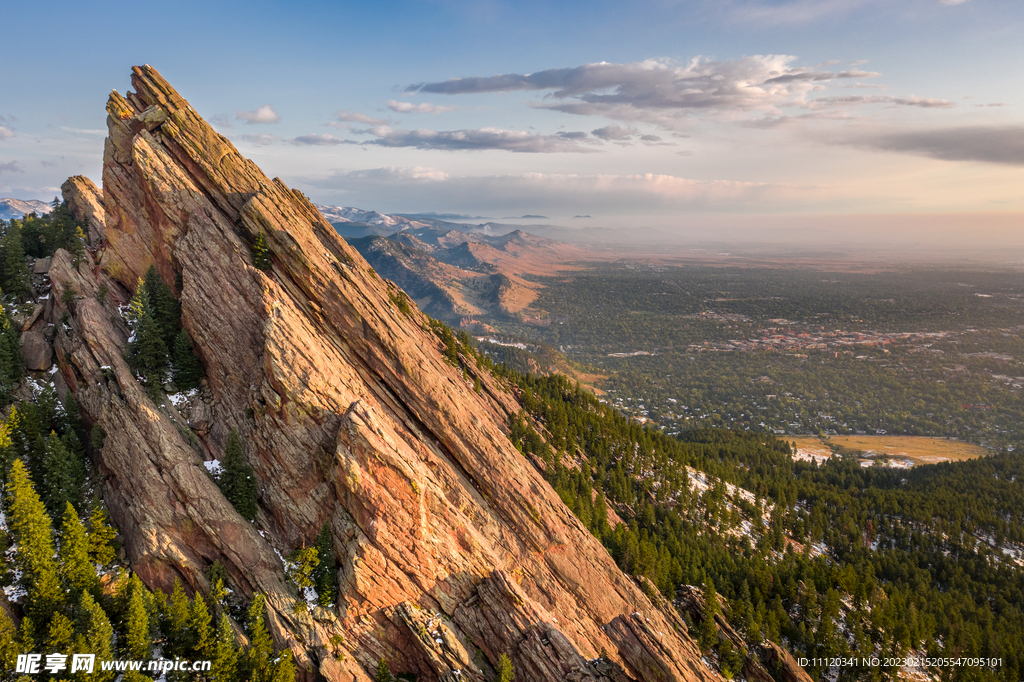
x: 663, y: 113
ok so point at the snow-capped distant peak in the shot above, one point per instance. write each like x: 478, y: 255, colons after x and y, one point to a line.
x: 19, y: 208
x: 347, y: 214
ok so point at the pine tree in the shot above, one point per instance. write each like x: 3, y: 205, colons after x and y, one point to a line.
x: 76, y: 570
x: 165, y: 307
x: 30, y: 528
x: 260, y: 256
x: 505, y: 671
x: 238, y: 481
x: 176, y: 624
x: 708, y: 632
x: 137, y: 637
x: 187, y: 369
x: 9, y: 645
x: 199, y: 622
x: 14, y: 279
x: 95, y: 635
x: 284, y: 670
x: 256, y: 664
x: 325, y: 575
x: 224, y: 661
x: 383, y: 672
x: 101, y: 536
x: 62, y: 474
x: 7, y: 453
x: 147, y: 349
x: 60, y: 634
x: 12, y: 365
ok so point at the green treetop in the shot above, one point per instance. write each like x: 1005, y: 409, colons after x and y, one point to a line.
x: 238, y: 481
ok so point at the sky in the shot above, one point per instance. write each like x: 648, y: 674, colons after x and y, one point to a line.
x: 685, y: 116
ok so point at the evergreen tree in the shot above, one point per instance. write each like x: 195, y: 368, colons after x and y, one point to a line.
x: 30, y: 528
x: 9, y: 645
x: 224, y: 661
x: 147, y: 350
x: 94, y: 635
x: 76, y: 570
x: 284, y: 669
x: 505, y: 671
x: 101, y: 536
x: 325, y: 575
x: 137, y: 640
x: 187, y: 369
x: 260, y: 255
x: 14, y: 278
x: 238, y: 481
x: 60, y: 634
x: 165, y: 307
x: 383, y: 672
x: 708, y: 633
x: 199, y: 621
x: 12, y: 365
x: 256, y: 664
x: 7, y: 453
x: 176, y: 623
x: 62, y: 475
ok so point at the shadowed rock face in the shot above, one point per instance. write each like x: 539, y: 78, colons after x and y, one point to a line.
x: 350, y: 416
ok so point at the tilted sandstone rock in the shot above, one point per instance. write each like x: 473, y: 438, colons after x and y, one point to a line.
x: 86, y: 204
x: 351, y: 417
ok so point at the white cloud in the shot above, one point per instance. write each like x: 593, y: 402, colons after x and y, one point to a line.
x: 259, y: 140
x: 909, y: 101
x: 478, y: 139
x: 6, y: 134
x: 10, y: 167
x: 356, y: 117
x: 264, y: 114
x: 82, y: 131
x: 410, y: 108
x: 615, y: 133
x: 320, y: 140
x: 952, y: 2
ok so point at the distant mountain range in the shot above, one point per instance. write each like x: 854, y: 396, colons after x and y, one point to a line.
x: 453, y: 274
x: 18, y: 208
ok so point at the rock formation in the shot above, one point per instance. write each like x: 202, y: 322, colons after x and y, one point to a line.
x: 451, y: 546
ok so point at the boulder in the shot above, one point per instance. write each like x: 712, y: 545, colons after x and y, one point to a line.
x: 42, y: 266
x: 36, y: 351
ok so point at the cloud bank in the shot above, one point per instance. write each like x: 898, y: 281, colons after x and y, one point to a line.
x: 661, y: 90
x: 479, y: 139
x: 989, y: 144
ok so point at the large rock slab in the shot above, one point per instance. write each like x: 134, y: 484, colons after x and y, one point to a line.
x: 351, y: 418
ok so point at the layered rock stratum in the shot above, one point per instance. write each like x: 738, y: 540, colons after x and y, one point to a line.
x: 451, y: 546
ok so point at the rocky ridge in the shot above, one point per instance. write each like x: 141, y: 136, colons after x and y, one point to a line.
x: 451, y: 546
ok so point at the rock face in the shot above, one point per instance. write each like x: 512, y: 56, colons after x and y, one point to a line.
x: 351, y: 418
x: 86, y: 204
